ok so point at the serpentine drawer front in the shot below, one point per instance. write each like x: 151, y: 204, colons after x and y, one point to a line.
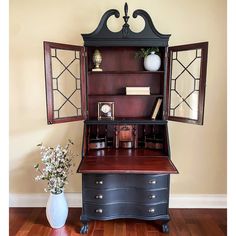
x: 137, y: 195
x: 102, y: 181
x: 125, y: 210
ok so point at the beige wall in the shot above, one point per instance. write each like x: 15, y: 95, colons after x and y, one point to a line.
x: 199, y: 152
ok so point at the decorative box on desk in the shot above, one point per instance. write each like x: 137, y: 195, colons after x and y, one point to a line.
x: 126, y: 163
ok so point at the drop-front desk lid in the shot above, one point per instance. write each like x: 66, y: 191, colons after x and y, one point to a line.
x: 133, y: 161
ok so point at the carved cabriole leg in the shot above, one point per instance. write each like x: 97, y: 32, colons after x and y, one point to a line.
x: 84, y: 228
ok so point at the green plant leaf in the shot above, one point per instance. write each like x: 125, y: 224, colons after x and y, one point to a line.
x: 143, y: 52
x: 36, y: 166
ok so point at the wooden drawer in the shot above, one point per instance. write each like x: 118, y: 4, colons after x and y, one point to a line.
x: 125, y: 210
x: 103, y: 181
x: 134, y: 195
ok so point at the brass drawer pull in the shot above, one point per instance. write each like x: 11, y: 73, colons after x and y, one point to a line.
x: 151, y: 210
x: 152, y: 181
x: 99, y: 182
x: 99, y: 196
x: 98, y: 211
x: 153, y: 196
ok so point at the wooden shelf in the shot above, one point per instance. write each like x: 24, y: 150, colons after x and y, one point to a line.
x: 127, y: 120
x: 123, y: 95
x: 113, y: 152
x: 126, y: 72
x: 127, y: 161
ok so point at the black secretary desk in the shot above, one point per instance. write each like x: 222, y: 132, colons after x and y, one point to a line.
x: 126, y: 163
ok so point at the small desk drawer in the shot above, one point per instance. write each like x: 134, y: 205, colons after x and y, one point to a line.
x: 102, y: 181
x: 133, y: 195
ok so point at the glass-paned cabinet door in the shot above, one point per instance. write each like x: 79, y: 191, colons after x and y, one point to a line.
x: 65, y: 82
x: 186, y: 82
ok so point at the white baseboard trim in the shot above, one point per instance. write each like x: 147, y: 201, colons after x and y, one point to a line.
x: 40, y: 199
x: 75, y: 200
x: 198, y: 201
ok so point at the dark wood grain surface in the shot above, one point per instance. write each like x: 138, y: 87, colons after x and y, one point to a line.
x: 133, y: 163
x: 184, y: 222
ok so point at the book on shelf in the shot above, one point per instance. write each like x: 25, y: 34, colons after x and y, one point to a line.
x: 137, y: 90
x: 156, y: 109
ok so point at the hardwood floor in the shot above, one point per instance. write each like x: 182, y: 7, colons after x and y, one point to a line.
x: 184, y: 222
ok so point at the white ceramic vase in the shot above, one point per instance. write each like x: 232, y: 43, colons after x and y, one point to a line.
x: 57, y: 210
x: 152, y: 62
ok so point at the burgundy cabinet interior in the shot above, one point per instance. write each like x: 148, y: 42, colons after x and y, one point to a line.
x: 120, y: 59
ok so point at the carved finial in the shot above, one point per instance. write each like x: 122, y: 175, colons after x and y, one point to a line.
x: 126, y: 18
x: 126, y: 9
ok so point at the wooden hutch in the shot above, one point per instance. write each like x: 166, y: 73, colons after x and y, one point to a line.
x: 126, y: 162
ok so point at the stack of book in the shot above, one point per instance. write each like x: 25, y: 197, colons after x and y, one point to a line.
x: 137, y: 90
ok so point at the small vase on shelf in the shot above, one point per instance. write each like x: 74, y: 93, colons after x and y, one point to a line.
x: 57, y: 210
x: 152, y: 62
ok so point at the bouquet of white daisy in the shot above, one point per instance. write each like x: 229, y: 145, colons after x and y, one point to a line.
x: 55, y: 166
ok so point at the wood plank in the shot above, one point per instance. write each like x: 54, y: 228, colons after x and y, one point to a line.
x: 17, y: 219
x: 141, y: 229
x: 208, y: 224
x: 98, y: 232
x: 119, y: 227
x: 43, y: 227
x: 99, y: 224
x: 131, y: 228
x: 194, y: 222
x: 152, y: 226
x: 29, y: 222
x: 194, y: 229
x: 108, y: 228
x: 130, y: 164
x: 152, y: 233
x: 180, y: 223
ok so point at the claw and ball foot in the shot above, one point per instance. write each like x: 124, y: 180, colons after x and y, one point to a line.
x: 84, y: 229
x: 165, y: 228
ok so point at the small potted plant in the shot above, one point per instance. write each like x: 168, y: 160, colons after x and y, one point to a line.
x: 55, y: 168
x: 152, y: 60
